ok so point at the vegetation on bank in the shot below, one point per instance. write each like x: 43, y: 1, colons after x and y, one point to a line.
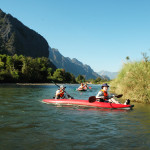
x: 133, y: 81
x: 23, y: 69
x: 99, y: 80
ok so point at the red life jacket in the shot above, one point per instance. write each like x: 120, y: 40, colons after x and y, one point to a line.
x: 62, y: 93
x: 105, y: 94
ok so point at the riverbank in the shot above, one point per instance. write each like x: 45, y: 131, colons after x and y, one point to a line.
x: 38, y: 83
x: 133, y: 81
x: 34, y: 83
x: 27, y: 84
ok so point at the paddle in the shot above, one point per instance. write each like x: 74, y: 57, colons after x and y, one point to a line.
x: 118, y: 96
x: 64, y: 90
x: 93, y: 98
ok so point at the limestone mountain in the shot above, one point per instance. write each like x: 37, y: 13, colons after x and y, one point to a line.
x: 16, y: 38
x: 71, y: 65
x: 110, y: 75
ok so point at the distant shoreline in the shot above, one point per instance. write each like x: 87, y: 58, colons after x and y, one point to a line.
x: 32, y: 83
x: 35, y: 84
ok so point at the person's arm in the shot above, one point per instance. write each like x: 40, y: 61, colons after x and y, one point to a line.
x: 57, y: 92
x: 80, y: 87
x: 100, y: 95
x: 110, y: 96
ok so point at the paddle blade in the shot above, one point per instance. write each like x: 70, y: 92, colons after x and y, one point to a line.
x: 92, y: 99
x: 118, y: 96
x: 90, y: 87
x: 70, y: 97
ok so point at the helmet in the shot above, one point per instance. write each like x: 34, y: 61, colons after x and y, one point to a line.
x: 62, y: 87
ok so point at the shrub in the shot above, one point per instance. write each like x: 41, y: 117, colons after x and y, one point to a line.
x: 133, y: 81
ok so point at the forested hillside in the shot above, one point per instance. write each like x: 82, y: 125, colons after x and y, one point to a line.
x: 20, y: 43
x: 34, y: 70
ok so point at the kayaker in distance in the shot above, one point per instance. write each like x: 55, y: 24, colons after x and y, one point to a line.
x: 60, y: 93
x: 86, y: 86
x: 81, y: 87
x: 103, y: 96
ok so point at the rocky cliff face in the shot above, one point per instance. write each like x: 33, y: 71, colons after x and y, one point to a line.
x: 71, y: 65
x: 19, y: 39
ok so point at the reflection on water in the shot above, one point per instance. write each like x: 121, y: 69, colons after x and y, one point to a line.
x: 27, y: 123
x: 88, y: 108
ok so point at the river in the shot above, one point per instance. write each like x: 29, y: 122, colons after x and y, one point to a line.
x: 26, y: 123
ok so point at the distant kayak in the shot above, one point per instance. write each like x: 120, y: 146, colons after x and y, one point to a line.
x: 84, y: 89
x: 87, y: 103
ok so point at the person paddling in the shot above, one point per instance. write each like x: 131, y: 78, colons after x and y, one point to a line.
x: 60, y: 93
x: 81, y: 87
x: 103, y: 95
x: 85, y: 86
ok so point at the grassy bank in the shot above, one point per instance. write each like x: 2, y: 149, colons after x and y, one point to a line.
x: 133, y: 81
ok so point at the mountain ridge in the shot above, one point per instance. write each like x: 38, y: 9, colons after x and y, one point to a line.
x: 16, y: 38
x: 19, y: 39
x: 73, y: 66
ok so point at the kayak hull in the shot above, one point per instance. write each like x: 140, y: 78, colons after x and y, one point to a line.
x: 85, y: 89
x: 87, y: 103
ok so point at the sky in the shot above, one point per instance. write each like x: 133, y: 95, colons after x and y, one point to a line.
x: 99, y: 33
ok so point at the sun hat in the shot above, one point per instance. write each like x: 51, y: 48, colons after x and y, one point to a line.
x: 105, y: 85
x: 62, y: 87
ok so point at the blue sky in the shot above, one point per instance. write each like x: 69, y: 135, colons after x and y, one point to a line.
x: 99, y: 33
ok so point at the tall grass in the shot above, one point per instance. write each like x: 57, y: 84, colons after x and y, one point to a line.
x: 133, y: 81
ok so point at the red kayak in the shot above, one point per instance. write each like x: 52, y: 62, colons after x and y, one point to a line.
x: 87, y: 103
x: 85, y: 89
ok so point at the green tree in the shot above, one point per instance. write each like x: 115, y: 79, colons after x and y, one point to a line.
x: 98, y: 80
x: 1, y: 70
x: 18, y: 62
x: 1, y: 64
x: 59, y: 75
x: 43, y: 65
x: 127, y: 58
x: 68, y: 77
x: 27, y: 69
x: 2, y: 45
x: 4, y: 59
x: 11, y: 67
x: 73, y: 79
x: 80, y: 78
x: 50, y: 73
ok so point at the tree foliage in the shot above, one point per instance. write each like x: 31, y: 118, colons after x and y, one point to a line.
x: 26, y: 69
x: 80, y: 78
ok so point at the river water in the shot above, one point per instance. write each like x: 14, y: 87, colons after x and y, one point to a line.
x: 26, y: 123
